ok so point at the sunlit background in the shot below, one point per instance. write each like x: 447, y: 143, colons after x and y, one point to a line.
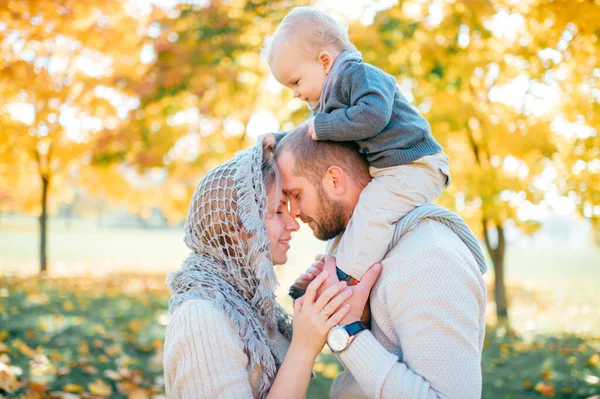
x: 110, y: 114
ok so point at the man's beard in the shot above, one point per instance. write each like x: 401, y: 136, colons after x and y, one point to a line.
x: 332, y: 216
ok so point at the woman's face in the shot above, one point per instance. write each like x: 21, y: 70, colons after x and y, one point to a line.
x: 280, y: 225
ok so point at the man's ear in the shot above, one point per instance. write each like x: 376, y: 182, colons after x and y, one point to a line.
x: 335, y: 181
x: 326, y: 60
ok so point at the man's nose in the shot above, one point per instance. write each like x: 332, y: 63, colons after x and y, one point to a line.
x: 294, y: 209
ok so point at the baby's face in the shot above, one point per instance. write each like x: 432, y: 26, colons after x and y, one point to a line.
x: 294, y: 67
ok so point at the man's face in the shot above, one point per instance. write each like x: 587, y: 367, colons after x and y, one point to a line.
x: 311, y: 203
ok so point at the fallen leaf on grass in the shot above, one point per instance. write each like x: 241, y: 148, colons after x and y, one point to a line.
x: 100, y: 388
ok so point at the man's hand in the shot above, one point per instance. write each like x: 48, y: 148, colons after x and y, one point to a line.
x: 360, y: 291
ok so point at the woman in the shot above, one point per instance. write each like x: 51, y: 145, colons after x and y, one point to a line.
x: 228, y: 337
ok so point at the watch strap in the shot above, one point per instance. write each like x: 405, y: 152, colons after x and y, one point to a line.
x: 343, y: 276
x: 296, y: 292
x: 355, y: 328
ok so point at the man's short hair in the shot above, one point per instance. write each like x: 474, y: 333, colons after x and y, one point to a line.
x: 313, y: 158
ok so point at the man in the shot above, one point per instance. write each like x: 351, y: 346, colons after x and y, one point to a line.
x: 428, y: 305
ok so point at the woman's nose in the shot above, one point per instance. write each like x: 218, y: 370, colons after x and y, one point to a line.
x: 293, y: 224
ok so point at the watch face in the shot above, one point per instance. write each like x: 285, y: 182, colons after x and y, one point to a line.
x: 337, y: 339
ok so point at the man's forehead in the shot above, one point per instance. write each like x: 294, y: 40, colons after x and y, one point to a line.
x: 286, y: 162
x: 289, y: 180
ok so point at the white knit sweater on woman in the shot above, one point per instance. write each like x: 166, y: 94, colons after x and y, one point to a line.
x: 204, y: 356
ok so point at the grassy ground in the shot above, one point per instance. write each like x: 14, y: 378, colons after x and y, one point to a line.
x: 93, y: 337
x: 99, y: 332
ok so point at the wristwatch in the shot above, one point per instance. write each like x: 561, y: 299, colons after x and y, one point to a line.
x: 340, y: 337
x: 345, y: 276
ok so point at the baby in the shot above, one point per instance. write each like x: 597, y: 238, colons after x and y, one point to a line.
x: 353, y: 101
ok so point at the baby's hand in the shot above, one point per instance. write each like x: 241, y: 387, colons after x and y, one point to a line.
x: 299, y: 286
x: 311, y: 129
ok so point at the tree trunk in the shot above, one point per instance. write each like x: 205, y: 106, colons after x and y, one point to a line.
x: 44, y: 225
x: 497, y: 254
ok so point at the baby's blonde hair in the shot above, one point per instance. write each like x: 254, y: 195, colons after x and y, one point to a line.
x: 319, y: 30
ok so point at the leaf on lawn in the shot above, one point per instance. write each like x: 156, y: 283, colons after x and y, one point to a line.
x: 545, y: 389
x: 100, y: 388
x: 73, y: 388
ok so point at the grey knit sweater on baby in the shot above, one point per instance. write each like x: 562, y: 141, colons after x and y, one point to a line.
x: 365, y: 105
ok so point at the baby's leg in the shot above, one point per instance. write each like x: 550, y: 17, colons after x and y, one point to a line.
x: 391, y: 194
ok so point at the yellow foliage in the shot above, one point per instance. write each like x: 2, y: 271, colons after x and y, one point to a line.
x: 100, y: 388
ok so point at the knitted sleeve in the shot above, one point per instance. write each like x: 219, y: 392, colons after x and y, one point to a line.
x: 203, y: 356
x: 435, y: 310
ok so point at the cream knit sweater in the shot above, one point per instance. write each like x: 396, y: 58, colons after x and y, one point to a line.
x: 204, y: 356
x: 428, y: 305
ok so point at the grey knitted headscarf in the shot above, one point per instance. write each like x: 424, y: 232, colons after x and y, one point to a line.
x: 231, y: 262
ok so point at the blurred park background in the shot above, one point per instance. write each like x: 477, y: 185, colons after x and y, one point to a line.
x: 111, y: 112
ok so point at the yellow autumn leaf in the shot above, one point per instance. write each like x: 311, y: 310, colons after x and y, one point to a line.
x: 100, y: 388
x: 135, y: 325
x: 73, y: 388
x: 84, y: 348
x: 545, y: 389
x: 113, y: 350
x: 68, y: 306
x: 138, y: 393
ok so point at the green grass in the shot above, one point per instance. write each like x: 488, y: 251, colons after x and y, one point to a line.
x: 99, y: 335
x: 66, y: 335
x: 553, y: 296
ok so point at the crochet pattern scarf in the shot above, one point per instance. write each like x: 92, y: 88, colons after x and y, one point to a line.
x: 231, y: 262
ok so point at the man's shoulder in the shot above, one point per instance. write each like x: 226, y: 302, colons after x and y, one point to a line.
x: 429, y: 242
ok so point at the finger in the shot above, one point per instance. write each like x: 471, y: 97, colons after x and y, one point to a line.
x: 328, y: 294
x: 370, y: 277
x: 335, y: 318
x: 311, y: 290
x: 319, y: 265
x: 297, y: 305
x: 337, y: 301
x: 269, y: 139
x: 314, y: 271
x: 307, y: 276
x: 320, y: 257
x: 330, y: 266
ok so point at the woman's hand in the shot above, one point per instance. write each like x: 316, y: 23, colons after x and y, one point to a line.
x: 299, y: 287
x: 313, y: 318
